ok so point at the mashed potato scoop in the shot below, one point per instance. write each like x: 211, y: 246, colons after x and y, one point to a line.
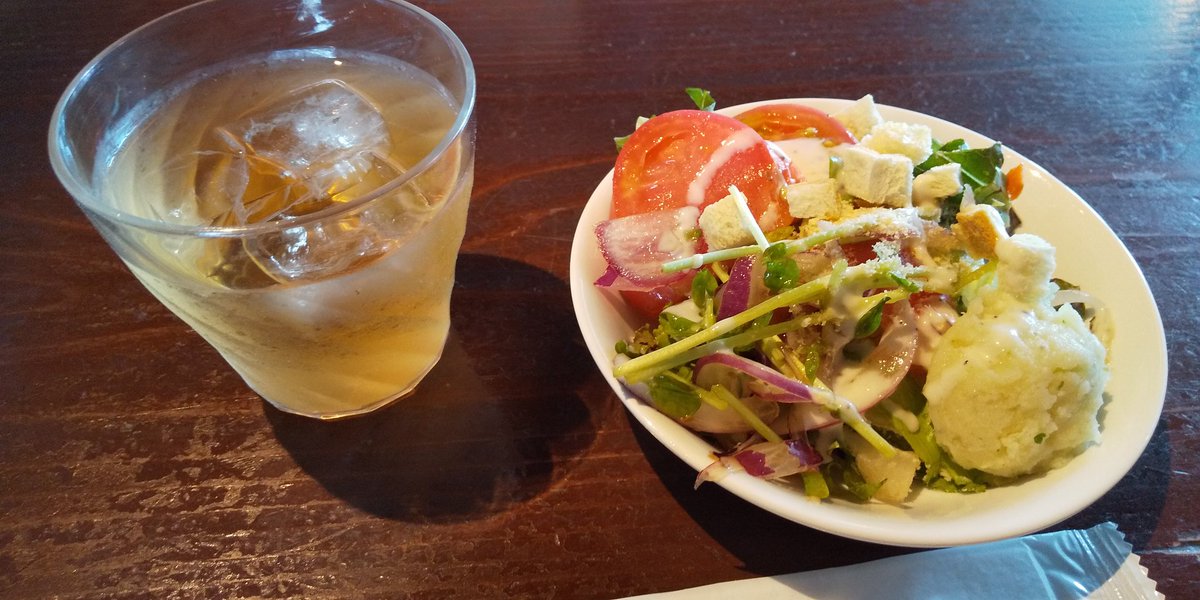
x: 1015, y: 386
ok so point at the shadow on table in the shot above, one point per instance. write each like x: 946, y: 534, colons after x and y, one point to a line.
x: 756, y: 536
x: 486, y: 427
x: 1138, y: 499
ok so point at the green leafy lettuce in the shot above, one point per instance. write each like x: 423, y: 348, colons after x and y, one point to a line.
x: 940, y: 472
x: 981, y: 169
x: 673, y: 395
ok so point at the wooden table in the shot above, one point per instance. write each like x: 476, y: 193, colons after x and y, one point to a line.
x: 135, y: 464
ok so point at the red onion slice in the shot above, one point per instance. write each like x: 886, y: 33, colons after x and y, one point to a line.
x: 766, y: 460
x: 876, y: 377
x: 609, y: 277
x: 734, y: 296
x: 639, y: 389
x: 712, y: 420
x: 805, y: 417
x: 1071, y: 296
x: 637, y: 246
x: 770, y: 460
x: 808, y: 405
x: 866, y: 383
x: 764, y: 381
x: 707, y: 419
x: 934, y: 315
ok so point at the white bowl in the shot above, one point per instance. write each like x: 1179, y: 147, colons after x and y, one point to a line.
x: 1089, y: 255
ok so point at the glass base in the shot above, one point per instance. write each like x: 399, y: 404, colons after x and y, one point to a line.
x: 355, y: 412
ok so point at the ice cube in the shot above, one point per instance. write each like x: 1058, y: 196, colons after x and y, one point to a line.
x: 313, y: 130
x: 316, y: 250
x: 295, y: 154
x: 322, y: 248
x: 221, y: 180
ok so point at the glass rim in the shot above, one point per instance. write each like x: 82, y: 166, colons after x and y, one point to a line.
x: 84, y: 196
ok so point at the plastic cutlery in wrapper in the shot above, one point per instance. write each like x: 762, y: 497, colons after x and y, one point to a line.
x: 1096, y: 563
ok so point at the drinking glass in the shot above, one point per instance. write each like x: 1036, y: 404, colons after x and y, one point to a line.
x: 291, y: 178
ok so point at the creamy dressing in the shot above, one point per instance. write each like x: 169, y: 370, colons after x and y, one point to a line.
x: 810, y: 156
x: 770, y: 215
x: 676, y: 242
x: 731, y: 146
x: 937, y: 277
x: 932, y: 321
x: 906, y: 417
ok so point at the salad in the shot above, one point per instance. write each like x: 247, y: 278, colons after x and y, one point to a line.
x: 841, y: 301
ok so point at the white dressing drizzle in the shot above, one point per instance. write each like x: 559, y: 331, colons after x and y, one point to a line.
x: 932, y: 322
x: 810, y: 156
x: 906, y: 417
x: 741, y: 141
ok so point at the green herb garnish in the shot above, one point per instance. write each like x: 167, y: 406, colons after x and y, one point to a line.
x: 905, y: 283
x: 702, y: 98
x: 704, y: 285
x: 869, y: 323
x: 981, y: 169
x: 674, y: 395
x: 780, y: 271
x: 672, y: 328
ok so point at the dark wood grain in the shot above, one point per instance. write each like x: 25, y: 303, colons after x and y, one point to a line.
x: 135, y: 464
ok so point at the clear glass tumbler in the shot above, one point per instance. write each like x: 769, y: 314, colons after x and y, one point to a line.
x: 289, y: 177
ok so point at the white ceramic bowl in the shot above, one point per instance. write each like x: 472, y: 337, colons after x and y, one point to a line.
x: 1088, y: 254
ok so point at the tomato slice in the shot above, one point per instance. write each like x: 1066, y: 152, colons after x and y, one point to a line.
x: 787, y: 121
x: 857, y: 253
x: 791, y: 173
x: 692, y: 157
x: 649, y: 304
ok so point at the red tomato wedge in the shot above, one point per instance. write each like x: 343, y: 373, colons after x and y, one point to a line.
x: 647, y: 305
x: 787, y: 121
x: 692, y: 157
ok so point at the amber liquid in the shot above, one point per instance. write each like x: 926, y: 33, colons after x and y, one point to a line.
x: 322, y: 314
